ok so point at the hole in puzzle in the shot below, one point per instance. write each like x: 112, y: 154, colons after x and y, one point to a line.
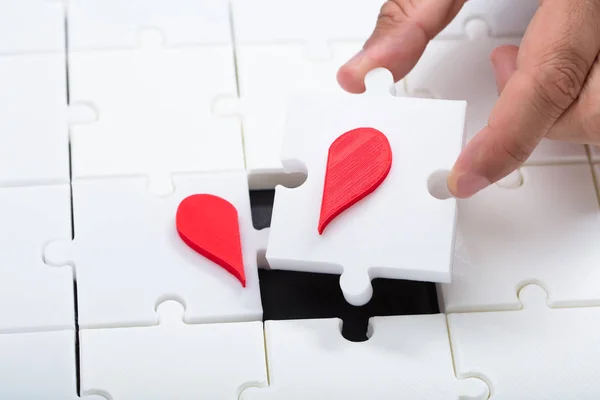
x: 513, y: 180
x: 296, y: 173
x: 300, y: 295
x: 261, y: 205
x: 437, y: 185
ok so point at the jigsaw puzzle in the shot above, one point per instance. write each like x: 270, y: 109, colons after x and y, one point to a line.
x: 130, y: 134
x: 425, y: 137
x: 173, y: 359
x: 509, y: 237
x: 417, y: 367
x: 534, y: 352
x: 129, y: 257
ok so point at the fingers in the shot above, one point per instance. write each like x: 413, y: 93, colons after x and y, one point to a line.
x: 554, y: 59
x: 403, y: 30
x: 504, y: 61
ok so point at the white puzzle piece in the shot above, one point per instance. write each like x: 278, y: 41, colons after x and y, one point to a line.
x: 595, y: 154
x: 104, y: 24
x: 39, y: 366
x: 128, y: 255
x: 534, y: 353
x: 406, y: 357
x: 34, y: 296
x: 32, y: 26
x: 34, y: 136
x: 545, y: 231
x: 151, y: 113
x: 503, y: 17
x: 400, y: 230
x: 173, y: 360
x: 460, y: 69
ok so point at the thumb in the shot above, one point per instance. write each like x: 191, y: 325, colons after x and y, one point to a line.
x: 403, y: 30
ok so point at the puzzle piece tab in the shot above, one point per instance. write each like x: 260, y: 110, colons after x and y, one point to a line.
x: 151, y: 113
x: 32, y: 26
x: 173, y: 359
x: 545, y: 231
x: 460, y: 69
x: 400, y: 230
x: 39, y: 366
x: 406, y: 357
x: 534, y: 353
x: 129, y: 257
x: 34, y: 296
x: 116, y: 24
x: 34, y: 135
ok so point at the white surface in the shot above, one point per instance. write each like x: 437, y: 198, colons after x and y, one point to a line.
x: 32, y: 26
x: 546, y: 231
x: 153, y: 109
x: 101, y: 24
x: 173, y: 360
x: 425, y: 136
x: 311, y: 22
x: 535, y: 353
x: 39, y: 366
x: 34, y: 296
x: 129, y: 257
x: 34, y: 141
x: 461, y: 70
x: 406, y: 357
x: 504, y: 17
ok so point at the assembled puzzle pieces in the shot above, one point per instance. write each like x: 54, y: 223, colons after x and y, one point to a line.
x: 34, y: 296
x: 534, y: 353
x: 400, y: 230
x: 173, y: 359
x: 129, y: 257
x: 405, y: 357
x: 542, y: 227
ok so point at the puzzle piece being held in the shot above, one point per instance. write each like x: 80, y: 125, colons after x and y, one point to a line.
x: 391, y: 228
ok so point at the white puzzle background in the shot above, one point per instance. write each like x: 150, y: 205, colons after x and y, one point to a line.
x: 112, y: 111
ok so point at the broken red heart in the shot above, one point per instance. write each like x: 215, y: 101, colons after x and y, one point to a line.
x: 358, y: 162
x: 209, y: 225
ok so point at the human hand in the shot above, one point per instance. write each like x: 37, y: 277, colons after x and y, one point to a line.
x: 549, y: 87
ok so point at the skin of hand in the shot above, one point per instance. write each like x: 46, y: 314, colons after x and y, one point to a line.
x: 549, y: 87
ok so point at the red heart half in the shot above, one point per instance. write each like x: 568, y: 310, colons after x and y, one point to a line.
x: 209, y: 225
x: 358, y: 162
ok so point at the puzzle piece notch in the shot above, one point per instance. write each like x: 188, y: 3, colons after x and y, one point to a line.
x: 113, y: 24
x: 228, y: 357
x: 521, y: 224
x: 324, y: 364
x: 126, y: 242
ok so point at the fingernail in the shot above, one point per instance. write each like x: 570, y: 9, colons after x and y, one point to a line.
x: 466, y: 184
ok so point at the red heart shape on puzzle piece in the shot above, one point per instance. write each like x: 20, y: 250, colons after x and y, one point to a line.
x: 358, y: 162
x: 209, y: 225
